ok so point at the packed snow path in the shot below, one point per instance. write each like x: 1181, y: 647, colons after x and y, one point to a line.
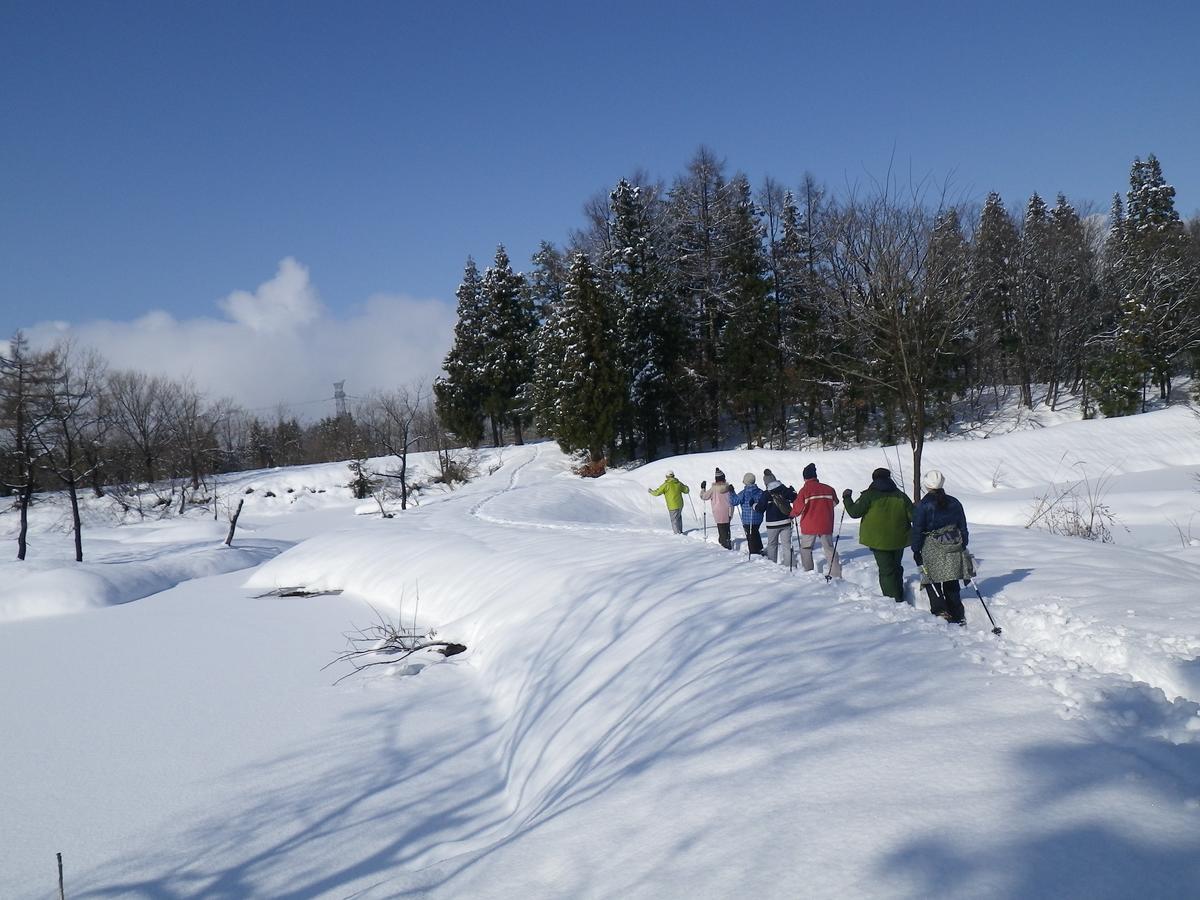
x: 639, y: 714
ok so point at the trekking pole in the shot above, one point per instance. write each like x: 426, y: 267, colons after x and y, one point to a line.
x: 995, y: 627
x: 833, y: 556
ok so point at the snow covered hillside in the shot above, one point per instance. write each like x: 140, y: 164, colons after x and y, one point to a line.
x: 637, y: 714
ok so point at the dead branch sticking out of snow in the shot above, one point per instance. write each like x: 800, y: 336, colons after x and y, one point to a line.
x: 390, y: 641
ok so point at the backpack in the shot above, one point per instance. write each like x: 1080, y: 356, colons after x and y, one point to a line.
x: 784, y: 506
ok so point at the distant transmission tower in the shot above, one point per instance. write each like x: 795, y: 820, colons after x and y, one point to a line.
x: 339, y: 397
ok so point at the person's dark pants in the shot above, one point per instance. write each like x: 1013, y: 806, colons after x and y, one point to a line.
x: 723, y: 537
x: 891, y: 572
x: 753, y: 539
x: 946, y: 598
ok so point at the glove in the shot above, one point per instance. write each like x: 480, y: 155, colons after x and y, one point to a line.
x: 847, y: 494
x: 917, y: 557
x: 649, y: 490
x: 703, y: 485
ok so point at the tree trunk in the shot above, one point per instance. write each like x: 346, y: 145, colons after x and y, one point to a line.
x: 75, y: 520
x: 404, y: 478
x: 25, y: 497
x: 233, y: 523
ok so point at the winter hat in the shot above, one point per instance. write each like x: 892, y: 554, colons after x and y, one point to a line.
x: 881, y: 473
x: 748, y: 478
x: 768, y: 477
x: 810, y: 471
x: 670, y: 474
x: 720, y: 476
x: 932, y: 480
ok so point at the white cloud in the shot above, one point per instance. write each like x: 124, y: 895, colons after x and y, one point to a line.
x: 285, y: 302
x: 277, y: 344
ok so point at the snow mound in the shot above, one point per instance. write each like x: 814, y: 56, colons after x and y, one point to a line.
x: 36, y: 588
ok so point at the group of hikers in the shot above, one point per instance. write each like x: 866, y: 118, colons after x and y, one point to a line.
x: 935, y: 528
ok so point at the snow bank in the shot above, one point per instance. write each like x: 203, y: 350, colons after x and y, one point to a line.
x: 35, y: 588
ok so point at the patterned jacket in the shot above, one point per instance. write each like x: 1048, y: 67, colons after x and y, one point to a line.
x: 748, y: 499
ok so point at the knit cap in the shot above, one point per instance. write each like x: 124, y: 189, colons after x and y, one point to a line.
x: 768, y: 476
x: 748, y: 478
x: 881, y: 473
x: 810, y: 471
x: 932, y: 480
x: 720, y: 476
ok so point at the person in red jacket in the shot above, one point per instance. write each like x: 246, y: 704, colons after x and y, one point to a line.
x: 814, y: 508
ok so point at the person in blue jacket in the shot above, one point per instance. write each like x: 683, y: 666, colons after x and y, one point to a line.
x: 939, y: 544
x: 747, y: 499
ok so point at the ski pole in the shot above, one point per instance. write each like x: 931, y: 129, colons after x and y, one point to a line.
x: 995, y: 627
x: 833, y: 556
x: 706, y: 525
x: 693, y: 504
x: 792, y: 552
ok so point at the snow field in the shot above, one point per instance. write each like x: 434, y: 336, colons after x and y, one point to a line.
x: 638, y: 714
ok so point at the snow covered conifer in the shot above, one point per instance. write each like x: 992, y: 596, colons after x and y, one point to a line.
x: 460, y: 394
x: 649, y: 324
x: 749, y: 331
x: 548, y: 287
x: 509, y: 324
x: 592, y: 384
x: 994, y: 279
x: 1034, y: 264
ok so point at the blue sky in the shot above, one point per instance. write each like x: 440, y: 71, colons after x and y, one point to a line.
x: 161, y: 156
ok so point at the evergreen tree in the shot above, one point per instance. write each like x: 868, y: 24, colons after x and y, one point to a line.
x: 1073, y: 316
x: 592, y: 384
x: 944, y: 346
x: 460, y: 395
x: 649, y: 323
x: 751, y: 332
x: 1160, y: 281
x: 548, y: 287
x: 1034, y: 264
x: 994, y: 279
x: 509, y: 325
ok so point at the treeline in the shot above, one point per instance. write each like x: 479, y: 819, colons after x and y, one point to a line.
x: 68, y: 421
x: 679, y: 318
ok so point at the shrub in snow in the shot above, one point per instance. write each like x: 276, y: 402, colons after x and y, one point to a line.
x: 1076, y: 510
x: 386, y: 643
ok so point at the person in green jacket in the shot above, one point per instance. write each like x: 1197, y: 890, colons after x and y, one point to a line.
x: 886, y: 513
x: 672, y: 490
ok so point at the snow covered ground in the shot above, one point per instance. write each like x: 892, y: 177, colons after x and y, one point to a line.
x: 637, y: 714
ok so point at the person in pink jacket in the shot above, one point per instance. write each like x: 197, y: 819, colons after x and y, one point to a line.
x: 814, y: 508
x: 718, y: 497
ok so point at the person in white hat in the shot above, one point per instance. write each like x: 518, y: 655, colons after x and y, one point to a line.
x: 939, y: 545
x: 672, y: 490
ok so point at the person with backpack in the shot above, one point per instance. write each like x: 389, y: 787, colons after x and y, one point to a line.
x: 939, y: 545
x: 814, y: 508
x: 886, y: 514
x: 776, y: 506
x: 718, y: 496
x: 747, y: 500
x: 672, y: 490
